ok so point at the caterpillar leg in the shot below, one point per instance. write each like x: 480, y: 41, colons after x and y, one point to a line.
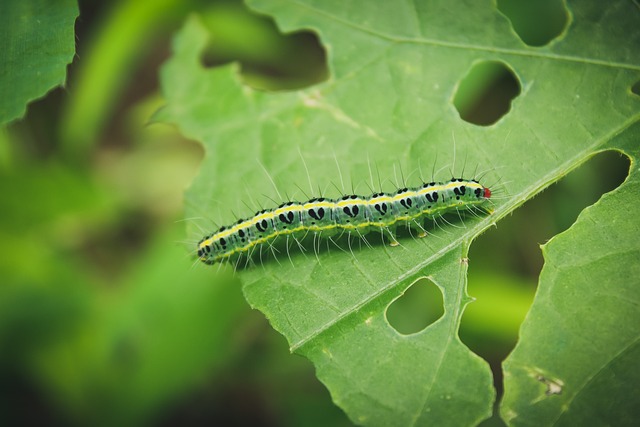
x: 420, y: 229
x: 391, y: 235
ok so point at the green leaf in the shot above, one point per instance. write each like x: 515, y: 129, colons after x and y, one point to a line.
x: 38, y: 43
x: 576, y: 362
x: 388, y: 103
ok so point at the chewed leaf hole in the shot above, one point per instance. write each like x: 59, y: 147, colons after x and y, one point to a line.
x: 538, y: 22
x: 484, y: 95
x: 419, y: 306
x: 505, y: 263
x: 268, y: 59
x: 635, y: 89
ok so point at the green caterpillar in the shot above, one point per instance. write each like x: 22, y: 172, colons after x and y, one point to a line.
x: 323, y: 217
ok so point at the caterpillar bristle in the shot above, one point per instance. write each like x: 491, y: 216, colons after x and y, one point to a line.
x: 256, y: 239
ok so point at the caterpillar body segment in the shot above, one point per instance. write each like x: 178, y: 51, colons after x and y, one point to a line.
x: 350, y: 214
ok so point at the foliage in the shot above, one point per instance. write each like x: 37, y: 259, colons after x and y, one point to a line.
x: 386, y: 100
x: 104, y: 319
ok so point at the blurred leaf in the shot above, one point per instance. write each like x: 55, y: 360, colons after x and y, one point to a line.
x: 47, y: 210
x: 37, y: 44
x: 163, y: 331
x: 45, y: 193
x: 33, y: 315
x: 395, y: 69
x: 126, y: 39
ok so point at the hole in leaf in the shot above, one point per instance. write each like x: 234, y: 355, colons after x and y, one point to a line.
x: 538, y: 22
x: 419, y: 306
x: 268, y: 59
x: 505, y: 263
x: 635, y: 89
x: 484, y: 95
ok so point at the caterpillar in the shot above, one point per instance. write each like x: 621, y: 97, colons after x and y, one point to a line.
x: 325, y: 217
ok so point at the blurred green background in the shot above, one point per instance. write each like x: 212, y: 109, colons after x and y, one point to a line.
x: 105, y: 320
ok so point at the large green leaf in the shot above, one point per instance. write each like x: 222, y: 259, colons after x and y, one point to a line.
x: 394, y: 68
x: 37, y: 44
